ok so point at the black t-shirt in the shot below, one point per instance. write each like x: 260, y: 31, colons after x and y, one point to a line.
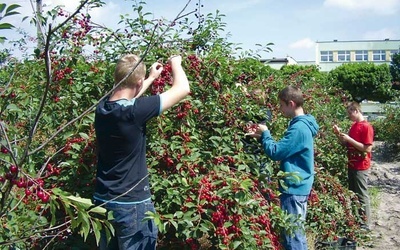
x: 121, y: 143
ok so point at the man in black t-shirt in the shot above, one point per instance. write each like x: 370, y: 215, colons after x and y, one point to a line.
x: 122, y: 184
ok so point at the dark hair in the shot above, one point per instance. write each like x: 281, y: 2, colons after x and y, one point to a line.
x: 291, y: 93
x: 354, y: 106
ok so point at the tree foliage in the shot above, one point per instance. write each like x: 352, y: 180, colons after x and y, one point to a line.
x: 395, y: 70
x: 211, y: 186
x: 364, y: 81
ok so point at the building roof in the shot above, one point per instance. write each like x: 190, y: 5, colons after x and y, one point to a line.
x: 357, y: 41
x: 278, y: 60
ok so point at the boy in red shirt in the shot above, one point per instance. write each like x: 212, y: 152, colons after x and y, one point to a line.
x: 359, y: 146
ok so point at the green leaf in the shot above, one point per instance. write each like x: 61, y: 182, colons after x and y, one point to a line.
x: 110, y: 231
x: 206, y: 226
x: 189, y: 205
x: 11, y: 13
x: 4, y: 26
x: 84, y: 136
x: 83, y: 218
x: 174, y: 223
x: 222, y: 247
x: 110, y: 216
x: 163, y: 227
x: 84, y: 202
x: 11, y: 8
x: 246, y: 184
x: 12, y: 107
x: 168, y: 216
x: 184, y: 182
x: 236, y: 244
x: 179, y: 214
x: 53, y: 209
x: 2, y: 6
x: 98, y: 210
x: 97, y: 226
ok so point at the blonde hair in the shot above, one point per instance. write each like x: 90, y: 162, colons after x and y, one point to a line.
x: 125, y: 65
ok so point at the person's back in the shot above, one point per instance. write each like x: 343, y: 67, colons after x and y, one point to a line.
x: 122, y: 184
x: 120, y: 132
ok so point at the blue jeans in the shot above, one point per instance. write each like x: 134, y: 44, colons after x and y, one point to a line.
x: 296, y: 205
x: 131, y: 232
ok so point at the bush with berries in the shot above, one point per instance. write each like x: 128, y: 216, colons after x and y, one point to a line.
x: 212, y: 186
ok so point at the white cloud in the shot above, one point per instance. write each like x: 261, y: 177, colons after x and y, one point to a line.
x: 305, y: 43
x: 382, y: 7
x: 381, y: 34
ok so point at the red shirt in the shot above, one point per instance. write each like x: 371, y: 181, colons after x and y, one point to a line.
x: 362, y: 132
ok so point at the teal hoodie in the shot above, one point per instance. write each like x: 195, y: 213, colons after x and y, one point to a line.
x: 295, y: 151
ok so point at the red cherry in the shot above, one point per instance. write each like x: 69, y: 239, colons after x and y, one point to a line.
x: 4, y: 150
x: 40, y: 182
x: 21, y: 183
x: 40, y: 194
x: 28, y: 192
x: 13, y: 169
x: 45, y: 198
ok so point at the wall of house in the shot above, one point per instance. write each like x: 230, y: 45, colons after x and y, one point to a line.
x: 339, y: 52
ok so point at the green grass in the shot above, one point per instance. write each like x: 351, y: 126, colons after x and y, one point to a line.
x: 374, y: 195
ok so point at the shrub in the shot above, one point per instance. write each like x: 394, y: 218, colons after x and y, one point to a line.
x: 210, y: 187
x: 387, y: 129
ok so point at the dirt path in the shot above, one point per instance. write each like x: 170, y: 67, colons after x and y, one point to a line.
x: 385, y: 175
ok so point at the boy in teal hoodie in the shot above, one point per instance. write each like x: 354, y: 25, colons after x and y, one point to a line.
x: 295, y: 151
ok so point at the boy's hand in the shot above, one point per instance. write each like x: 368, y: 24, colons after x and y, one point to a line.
x: 256, y: 130
x: 345, y: 138
x: 336, y: 129
x: 155, y: 70
x: 261, y: 128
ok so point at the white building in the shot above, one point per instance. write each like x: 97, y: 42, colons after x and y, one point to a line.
x: 331, y: 54
x: 277, y: 63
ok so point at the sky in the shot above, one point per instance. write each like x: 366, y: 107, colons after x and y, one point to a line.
x: 293, y: 26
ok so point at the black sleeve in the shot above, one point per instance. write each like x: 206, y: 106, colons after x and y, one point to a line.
x: 147, y: 108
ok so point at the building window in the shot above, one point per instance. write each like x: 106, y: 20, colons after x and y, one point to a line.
x: 379, y: 55
x: 361, y: 55
x: 326, y: 56
x: 343, y: 56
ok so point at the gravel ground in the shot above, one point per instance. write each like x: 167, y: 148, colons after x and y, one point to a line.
x: 385, y: 175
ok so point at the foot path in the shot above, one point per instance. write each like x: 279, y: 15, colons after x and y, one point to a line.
x: 385, y: 175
